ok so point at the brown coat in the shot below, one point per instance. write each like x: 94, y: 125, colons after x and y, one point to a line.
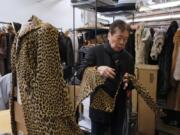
x: 176, y: 56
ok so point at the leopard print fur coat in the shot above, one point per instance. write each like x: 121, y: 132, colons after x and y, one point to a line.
x: 36, y: 68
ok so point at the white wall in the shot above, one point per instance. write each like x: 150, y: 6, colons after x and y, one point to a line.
x: 57, y: 12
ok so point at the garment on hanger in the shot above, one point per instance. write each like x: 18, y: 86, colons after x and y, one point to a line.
x: 175, y: 70
x: 165, y: 62
x: 158, y: 43
x: 150, y: 60
x: 66, y: 55
x: 174, y: 93
x: 16, y: 26
x: 40, y: 80
x: 130, y: 46
x: 6, y: 41
x: 142, y: 44
x: 83, y: 51
x: 3, y: 48
x: 5, y: 90
x: 75, y: 45
x: 176, y: 57
x: 7, y: 61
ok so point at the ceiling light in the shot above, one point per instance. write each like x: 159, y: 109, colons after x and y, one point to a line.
x: 159, y: 18
x: 160, y: 6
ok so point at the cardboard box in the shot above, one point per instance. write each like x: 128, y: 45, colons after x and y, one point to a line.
x: 147, y: 76
x: 5, y: 123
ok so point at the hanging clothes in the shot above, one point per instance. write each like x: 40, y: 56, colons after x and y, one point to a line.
x: 174, y: 93
x: 175, y: 70
x: 142, y: 45
x: 165, y: 61
x: 83, y: 52
x: 158, y: 43
x: 75, y: 45
x: 130, y: 46
x: 5, y: 90
x: 66, y: 54
x: 151, y: 61
x: 36, y: 66
x: 7, y: 62
x: 3, y: 49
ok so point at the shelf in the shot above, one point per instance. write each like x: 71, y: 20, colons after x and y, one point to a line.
x: 91, y: 28
x: 118, y: 13
x: 105, y: 29
x: 104, y: 6
x: 170, y: 130
x: 118, y: 7
x: 91, y: 4
x: 168, y: 108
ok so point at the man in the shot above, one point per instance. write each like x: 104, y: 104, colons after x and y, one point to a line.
x: 112, y: 62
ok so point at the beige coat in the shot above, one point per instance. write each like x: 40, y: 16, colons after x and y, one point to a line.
x: 142, y: 45
x: 176, y: 57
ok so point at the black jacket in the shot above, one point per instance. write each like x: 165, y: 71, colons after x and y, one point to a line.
x: 66, y: 55
x: 103, y: 55
x: 165, y: 61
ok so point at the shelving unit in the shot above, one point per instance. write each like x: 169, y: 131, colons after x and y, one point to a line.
x: 91, y: 4
x: 104, y: 7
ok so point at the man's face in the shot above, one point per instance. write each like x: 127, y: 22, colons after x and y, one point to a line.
x: 118, y: 40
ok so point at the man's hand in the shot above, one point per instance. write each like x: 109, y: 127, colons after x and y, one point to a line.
x: 106, y: 71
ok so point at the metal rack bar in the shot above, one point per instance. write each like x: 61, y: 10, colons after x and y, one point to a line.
x: 5, y: 22
x: 91, y: 4
x: 96, y: 22
x: 74, y: 52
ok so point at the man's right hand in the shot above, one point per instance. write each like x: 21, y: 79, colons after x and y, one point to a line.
x: 106, y: 71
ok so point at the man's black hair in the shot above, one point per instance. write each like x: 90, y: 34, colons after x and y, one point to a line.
x: 120, y: 25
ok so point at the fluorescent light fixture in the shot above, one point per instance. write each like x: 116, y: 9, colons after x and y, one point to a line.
x: 126, y: 1
x: 159, y: 18
x: 160, y: 6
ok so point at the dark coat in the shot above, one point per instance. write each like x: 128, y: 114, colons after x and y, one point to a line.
x: 7, y: 61
x: 130, y: 46
x: 165, y: 61
x: 3, y: 49
x: 66, y: 54
x: 103, y: 55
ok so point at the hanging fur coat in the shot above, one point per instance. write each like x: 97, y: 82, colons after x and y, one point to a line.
x: 174, y: 93
x: 158, y: 43
x: 142, y: 45
x: 37, y: 70
x: 165, y: 62
x: 3, y: 48
x: 176, y: 57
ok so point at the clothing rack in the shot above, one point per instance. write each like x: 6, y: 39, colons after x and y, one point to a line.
x: 5, y: 22
x: 60, y: 29
x: 159, y: 24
